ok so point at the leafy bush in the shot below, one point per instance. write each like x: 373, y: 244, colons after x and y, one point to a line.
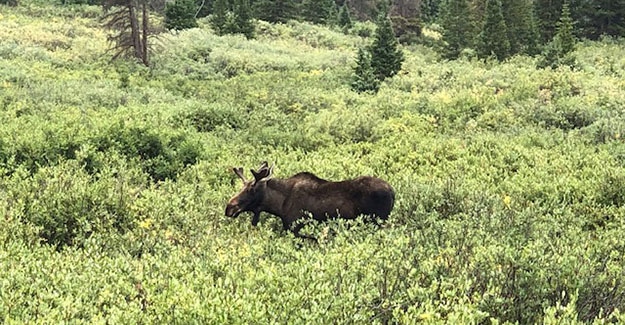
x: 162, y: 156
x: 206, y: 119
x: 563, y: 117
x: 67, y: 206
x: 361, y: 29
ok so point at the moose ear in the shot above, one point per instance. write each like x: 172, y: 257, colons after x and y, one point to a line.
x: 239, y: 172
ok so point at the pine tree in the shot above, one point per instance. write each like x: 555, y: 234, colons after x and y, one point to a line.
x: 219, y: 19
x: 592, y: 18
x: 530, y: 35
x: 364, y: 79
x: 318, y: 11
x: 345, y: 19
x: 564, y: 39
x: 205, y: 8
x: 243, y: 18
x: 180, y: 15
x: 457, y: 28
x: 559, y: 50
x: 604, y: 17
x: 547, y: 14
x: 521, y: 26
x: 493, y: 39
x: 11, y: 3
x: 405, y: 17
x: 363, y: 9
x: 430, y: 10
x: 386, y: 56
x: 274, y: 11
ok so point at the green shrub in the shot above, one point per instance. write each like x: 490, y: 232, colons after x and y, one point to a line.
x: 364, y: 30
x: 67, y: 205
x: 565, y: 116
x: 606, y: 130
x: 344, y: 127
x: 162, y: 155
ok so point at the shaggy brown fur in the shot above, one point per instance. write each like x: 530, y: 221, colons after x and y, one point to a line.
x: 304, y: 194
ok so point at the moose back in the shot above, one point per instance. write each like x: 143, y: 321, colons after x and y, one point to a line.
x: 304, y: 194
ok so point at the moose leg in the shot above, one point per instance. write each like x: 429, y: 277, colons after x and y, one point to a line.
x: 296, y: 231
x: 255, y: 219
x: 286, y: 225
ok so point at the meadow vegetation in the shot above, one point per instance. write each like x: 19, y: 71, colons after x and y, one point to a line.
x: 510, y: 180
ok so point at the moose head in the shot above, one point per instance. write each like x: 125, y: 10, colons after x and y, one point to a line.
x: 252, y: 194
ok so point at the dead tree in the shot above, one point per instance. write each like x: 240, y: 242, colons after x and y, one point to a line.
x: 130, y: 32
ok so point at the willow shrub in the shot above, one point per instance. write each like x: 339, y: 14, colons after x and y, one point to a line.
x: 113, y: 181
x: 66, y: 205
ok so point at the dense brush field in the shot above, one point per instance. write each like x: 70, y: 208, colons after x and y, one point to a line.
x: 510, y: 180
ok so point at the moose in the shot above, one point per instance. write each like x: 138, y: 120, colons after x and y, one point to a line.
x: 305, y: 195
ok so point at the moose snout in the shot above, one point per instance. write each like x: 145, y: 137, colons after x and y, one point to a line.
x: 232, y: 209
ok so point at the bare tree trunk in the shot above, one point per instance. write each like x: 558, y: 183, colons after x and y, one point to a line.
x: 134, y: 31
x: 144, y: 58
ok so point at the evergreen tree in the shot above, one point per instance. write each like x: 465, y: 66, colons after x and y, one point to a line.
x: 364, y: 79
x: 333, y: 18
x: 386, y: 57
x: 232, y: 18
x: 602, y: 17
x: 493, y: 39
x: 530, y: 36
x: 318, y: 11
x: 345, y: 19
x: 430, y: 10
x: 521, y: 26
x: 12, y: 3
x: 205, y: 8
x: 363, y: 9
x: 547, y: 14
x: 457, y: 28
x: 180, y: 15
x: 219, y: 18
x: 478, y: 13
x: 243, y: 18
x: 274, y: 11
x: 592, y: 18
x: 559, y: 50
x: 564, y: 39
x: 405, y: 17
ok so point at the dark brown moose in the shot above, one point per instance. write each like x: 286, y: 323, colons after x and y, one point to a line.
x: 305, y: 195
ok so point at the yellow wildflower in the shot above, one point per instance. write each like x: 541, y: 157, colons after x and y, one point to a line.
x: 146, y: 224
x: 507, y: 201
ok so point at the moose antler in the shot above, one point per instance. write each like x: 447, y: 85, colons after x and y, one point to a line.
x: 263, y: 165
x: 239, y: 172
x: 264, y: 172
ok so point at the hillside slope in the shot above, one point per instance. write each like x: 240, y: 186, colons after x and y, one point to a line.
x: 510, y: 180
